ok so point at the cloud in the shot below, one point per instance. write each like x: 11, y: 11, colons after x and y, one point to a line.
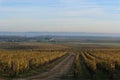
x: 72, y: 24
x: 69, y: 1
x: 18, y: 1
x: 77, y: 15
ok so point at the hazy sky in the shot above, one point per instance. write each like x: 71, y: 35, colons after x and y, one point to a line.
x: 60, y: 15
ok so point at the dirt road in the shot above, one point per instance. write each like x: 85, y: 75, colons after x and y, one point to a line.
x: 56, y: 72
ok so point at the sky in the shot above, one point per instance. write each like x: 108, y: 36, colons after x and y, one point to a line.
x: 60, y: 16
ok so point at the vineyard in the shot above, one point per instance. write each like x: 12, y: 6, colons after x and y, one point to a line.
x: 84, y: 62
x: 97, y: 64
x: 27, y: 57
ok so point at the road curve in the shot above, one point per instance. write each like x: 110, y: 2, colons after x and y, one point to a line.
x: 56, y: 72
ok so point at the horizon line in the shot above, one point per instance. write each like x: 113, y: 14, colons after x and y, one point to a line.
x: 59, y: 32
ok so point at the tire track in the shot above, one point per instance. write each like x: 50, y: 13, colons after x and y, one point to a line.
x: 56, y: 72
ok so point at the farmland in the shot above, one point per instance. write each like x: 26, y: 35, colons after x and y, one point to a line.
x: 43, y: 61
x: 100, y: 63
x: 17, y: 59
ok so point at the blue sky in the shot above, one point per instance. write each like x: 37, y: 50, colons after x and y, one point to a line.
x: 60, y: 15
